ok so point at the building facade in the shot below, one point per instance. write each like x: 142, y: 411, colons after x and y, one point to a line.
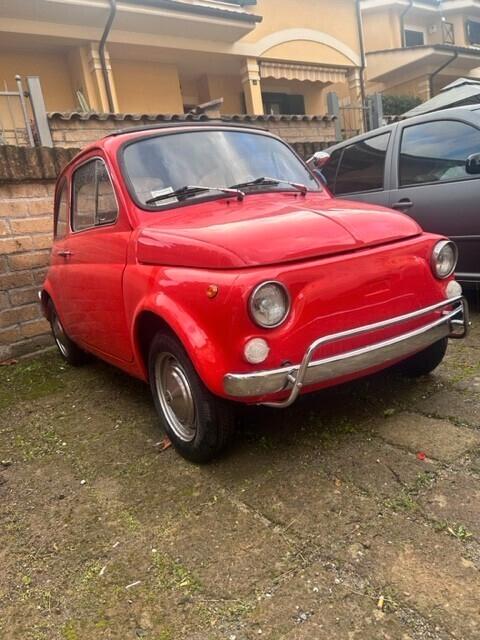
x: 416, y: 47
x: 168, y: 56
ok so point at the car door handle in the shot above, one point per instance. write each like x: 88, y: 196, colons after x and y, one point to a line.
x: 64, y: 253
x: 403, y: 204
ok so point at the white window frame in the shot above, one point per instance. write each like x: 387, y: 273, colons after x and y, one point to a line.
x: 411, y: 27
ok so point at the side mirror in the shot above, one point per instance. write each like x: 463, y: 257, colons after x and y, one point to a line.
x: 473, y: 164
x: 318, y: 160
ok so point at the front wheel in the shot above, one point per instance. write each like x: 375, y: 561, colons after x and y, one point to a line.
x: 199, y: 424
x: 425, y: 361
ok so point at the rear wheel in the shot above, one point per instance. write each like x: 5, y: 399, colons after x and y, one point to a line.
x: 68, y: 349
x: 199, y: 424
x: 425, y: 361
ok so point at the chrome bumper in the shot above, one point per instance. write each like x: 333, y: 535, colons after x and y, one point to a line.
x: 453, y: 323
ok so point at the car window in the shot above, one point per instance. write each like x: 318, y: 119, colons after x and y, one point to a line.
x: 94, y: 200
x: 329, y: 171
x: 436, y: 152
x: 106, y: 202
x: 167, y: 162
x: 362, y: 166
x: 61, y: 213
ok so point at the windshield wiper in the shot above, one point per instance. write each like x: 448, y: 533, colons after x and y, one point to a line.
x: 265, y: 181
x: 191, y: 190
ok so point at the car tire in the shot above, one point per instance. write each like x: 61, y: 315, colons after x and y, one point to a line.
x: 425, y: 361
x: 199, y: 424
x: 69, y: 351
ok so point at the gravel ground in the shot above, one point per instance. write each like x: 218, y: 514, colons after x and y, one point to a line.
x: 353, y: 515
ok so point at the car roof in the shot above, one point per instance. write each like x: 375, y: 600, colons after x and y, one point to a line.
x: 426, y: 117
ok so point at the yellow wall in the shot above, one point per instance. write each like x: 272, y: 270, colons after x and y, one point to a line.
x: 147, y: 87
x: 228, y: 87
x: 310, y: 52
x: 52, y: 69
x: 336, y: 18
x: 381, y: 30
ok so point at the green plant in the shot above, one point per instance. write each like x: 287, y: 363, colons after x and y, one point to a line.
x: 398, y: 105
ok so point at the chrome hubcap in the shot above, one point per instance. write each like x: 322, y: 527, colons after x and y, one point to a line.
x: 175, y: 396
x: 59, y: 336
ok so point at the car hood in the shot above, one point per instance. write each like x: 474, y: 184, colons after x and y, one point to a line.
x: 267, y: 233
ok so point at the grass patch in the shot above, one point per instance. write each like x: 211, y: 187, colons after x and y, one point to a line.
x: 31, y: 379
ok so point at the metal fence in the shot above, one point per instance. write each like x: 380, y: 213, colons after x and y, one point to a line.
x: 23, y: 117
x: 352, y: 119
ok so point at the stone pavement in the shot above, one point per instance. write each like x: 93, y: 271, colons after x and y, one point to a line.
x: 353, y: 515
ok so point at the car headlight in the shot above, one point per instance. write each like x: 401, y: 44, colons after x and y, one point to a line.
x: 444, y: 258
x: 269, y: 304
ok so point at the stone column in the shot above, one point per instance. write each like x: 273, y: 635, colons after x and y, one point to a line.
x: 251, y: 87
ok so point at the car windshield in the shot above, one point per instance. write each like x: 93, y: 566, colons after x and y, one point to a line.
x: 164, y: 164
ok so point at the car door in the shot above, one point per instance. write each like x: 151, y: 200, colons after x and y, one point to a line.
x: 433, y: 187
x: 358, y: 171
x: 56, y: 273
x: 97, y: 254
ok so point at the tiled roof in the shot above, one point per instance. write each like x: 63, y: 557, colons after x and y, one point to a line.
x: 166, y: 117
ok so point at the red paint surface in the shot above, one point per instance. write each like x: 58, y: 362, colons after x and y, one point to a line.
x: 345, y: 265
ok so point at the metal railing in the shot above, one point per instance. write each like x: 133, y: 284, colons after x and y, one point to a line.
x: 15, y: 127
x: 352, y: 119
x: 23, y: 118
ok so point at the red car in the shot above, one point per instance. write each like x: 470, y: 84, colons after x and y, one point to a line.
x: 207, y: 259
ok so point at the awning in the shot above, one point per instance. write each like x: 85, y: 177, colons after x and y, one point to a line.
x: 302, y: 72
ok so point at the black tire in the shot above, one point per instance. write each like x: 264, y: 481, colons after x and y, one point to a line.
x: 199, y: 424
x: 424, y: 362
x: 69, y: 351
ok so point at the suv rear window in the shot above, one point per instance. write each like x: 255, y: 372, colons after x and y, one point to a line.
x: 436, y: 152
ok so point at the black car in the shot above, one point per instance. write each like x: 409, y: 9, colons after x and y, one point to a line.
x: 427, y: 167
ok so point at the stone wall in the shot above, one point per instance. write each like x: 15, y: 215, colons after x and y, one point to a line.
x: 27, y: 182
x: 78, y: 130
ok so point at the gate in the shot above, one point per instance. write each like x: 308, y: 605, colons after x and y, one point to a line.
x: 353, y: 119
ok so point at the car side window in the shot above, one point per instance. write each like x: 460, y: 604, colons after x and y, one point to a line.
x: 61, y: 213
x: 436, y: 152
x: 329, y: 171
x: 362, y: 166
x: 94, y: 201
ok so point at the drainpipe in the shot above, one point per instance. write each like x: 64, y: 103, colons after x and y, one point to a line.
x: 435, y: 73
x: 101, y: 53
x: 362, y: 63
x: 402, y: 22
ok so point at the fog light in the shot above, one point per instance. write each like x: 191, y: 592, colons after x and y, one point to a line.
x: 454, y: 289
x: 256, y: 350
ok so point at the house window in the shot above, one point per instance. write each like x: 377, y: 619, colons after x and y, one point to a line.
x: 414, y: 38
x: 283, y: 103
x: 473, y: 32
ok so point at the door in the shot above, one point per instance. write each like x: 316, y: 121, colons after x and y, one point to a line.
x: 97, y: 255
x: 357, y: 171
x: 433, y: 187
x: 56, y: 272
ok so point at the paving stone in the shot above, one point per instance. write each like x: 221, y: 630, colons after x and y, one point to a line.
x: 312, y: 506
x: 315, y: 605
x: 455, y: 500
x: 229, y: 549
x: 457, y: 405
x: 374, y: 466
x: 470, y: 384
x: 439, y: 439
x: 427, y: 571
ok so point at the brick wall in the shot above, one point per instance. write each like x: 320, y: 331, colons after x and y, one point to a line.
x: 27, y: 182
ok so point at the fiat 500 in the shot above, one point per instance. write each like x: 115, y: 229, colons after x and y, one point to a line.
x: 208, y: 260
